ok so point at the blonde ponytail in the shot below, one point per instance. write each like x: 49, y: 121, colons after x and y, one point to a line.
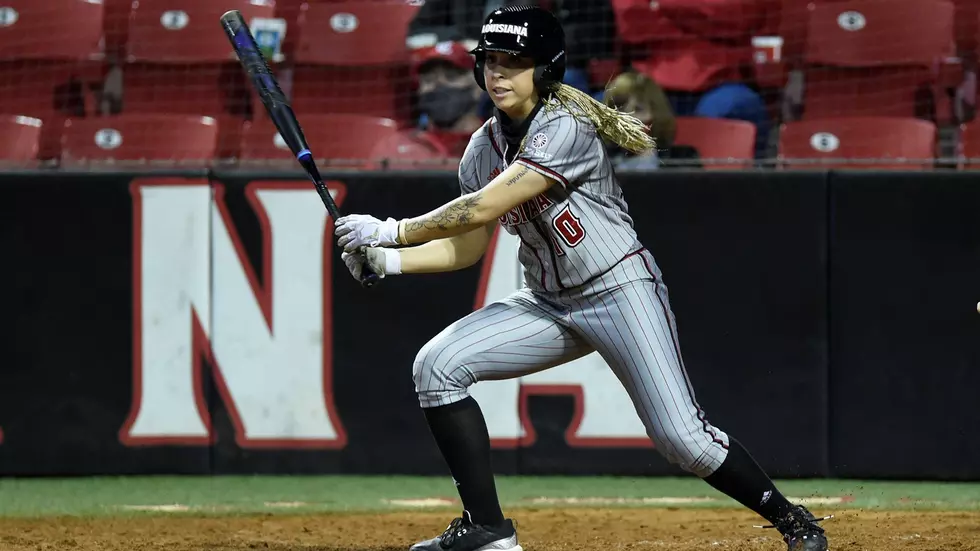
x: 621, y: 128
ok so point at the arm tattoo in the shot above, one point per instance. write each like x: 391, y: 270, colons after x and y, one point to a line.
x: 458, y: 213
x: 517, y: 176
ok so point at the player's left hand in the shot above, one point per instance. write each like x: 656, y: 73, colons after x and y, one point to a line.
x: 360, y: 230
x: 373, y: 258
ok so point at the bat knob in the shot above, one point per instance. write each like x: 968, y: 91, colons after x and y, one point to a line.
x: 369, y: 280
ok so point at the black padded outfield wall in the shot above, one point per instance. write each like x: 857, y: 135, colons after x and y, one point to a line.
x: 905, y: 333
x: 202, y: 322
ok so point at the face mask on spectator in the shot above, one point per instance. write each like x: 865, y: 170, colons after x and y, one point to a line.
x: 446, y: 104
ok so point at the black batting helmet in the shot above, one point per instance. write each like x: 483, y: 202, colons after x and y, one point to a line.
x: 525, y: 31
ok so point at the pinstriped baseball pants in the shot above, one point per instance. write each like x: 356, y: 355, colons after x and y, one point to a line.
x: 625, y: 316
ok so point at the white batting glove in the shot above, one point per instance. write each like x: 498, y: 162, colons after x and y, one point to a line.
x: 380, y: 261
x: 360, y: 230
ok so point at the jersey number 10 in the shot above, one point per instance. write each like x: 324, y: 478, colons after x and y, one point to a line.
x: 568, y: 227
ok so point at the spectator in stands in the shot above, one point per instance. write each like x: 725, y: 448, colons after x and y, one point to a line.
x: 636, y: 93
x: 448, y: 104
x: 700, y: 52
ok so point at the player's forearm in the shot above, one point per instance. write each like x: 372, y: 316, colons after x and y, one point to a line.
x: 457, y: 217
x: 476, y: 209
x: 440, y: 255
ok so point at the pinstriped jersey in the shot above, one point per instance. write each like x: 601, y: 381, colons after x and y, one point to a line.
x: 580, y: 227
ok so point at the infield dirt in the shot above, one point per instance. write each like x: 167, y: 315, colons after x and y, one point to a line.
x: 549, y: 529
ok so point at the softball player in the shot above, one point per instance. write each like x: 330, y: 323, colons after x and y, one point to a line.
x: 539, y: 169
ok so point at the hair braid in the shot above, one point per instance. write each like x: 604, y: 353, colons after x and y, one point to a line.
x: 616, y: 126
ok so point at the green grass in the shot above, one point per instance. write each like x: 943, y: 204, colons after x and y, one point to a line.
x: 251, y: 494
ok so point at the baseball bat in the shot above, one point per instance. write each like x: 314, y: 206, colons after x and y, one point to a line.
x: 280, y: 111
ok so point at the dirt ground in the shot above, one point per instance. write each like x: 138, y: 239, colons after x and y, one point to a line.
x: 539, y: 530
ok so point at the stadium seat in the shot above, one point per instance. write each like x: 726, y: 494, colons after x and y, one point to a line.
x: 66, y: 30
x: 858, y: 142
x: 343, y: 139
x: 793, y: 16
x: 718, y: 139
x: 185, y: 31
x: 116, y: 25
x: 147, y: 137
x: 969, y: 145
x: 405, y: 151
x: 351, y: 57
x: 288, y: 10
x: 793, y: 21
x: 19, y: 138
x: 875, y: 57
x: 179, y: 61
x: 50, y: 61
x: 967, y: 27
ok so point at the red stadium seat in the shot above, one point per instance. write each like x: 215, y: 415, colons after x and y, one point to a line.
x: 793, y: 16
x: 794, y: 20
x: 65, y: 30
x: 50, y: 61
x: 19, y: 138
x: 351, y: 57
x: 183, y: 31
x: 354, y: 33
x: 166, y: 138
x: 179, y: 61
x: 290, y: 10
x: 830, y: 143
x: 405, y: 151
x: 875, y: 57
x: 969, y: 145
x: 343, y: 138
x: 116, y: 25
x: 718, y: 139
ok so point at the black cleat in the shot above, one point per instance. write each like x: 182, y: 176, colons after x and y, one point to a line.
x: 463, y: 535
x: 800, y: 530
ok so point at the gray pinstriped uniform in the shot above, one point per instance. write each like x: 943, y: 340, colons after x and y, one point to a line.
x: 590, y: 286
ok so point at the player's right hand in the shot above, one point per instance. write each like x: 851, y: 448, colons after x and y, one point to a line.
x: 361, y: 230
x: 380, y: 261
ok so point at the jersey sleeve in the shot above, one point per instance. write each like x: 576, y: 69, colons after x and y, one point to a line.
x: 561, y: 147
x: 469, y: 164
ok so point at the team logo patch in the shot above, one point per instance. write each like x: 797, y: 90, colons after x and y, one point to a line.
x: 539, y: 140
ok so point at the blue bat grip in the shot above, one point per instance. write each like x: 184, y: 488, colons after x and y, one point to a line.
x: 304, y: 153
